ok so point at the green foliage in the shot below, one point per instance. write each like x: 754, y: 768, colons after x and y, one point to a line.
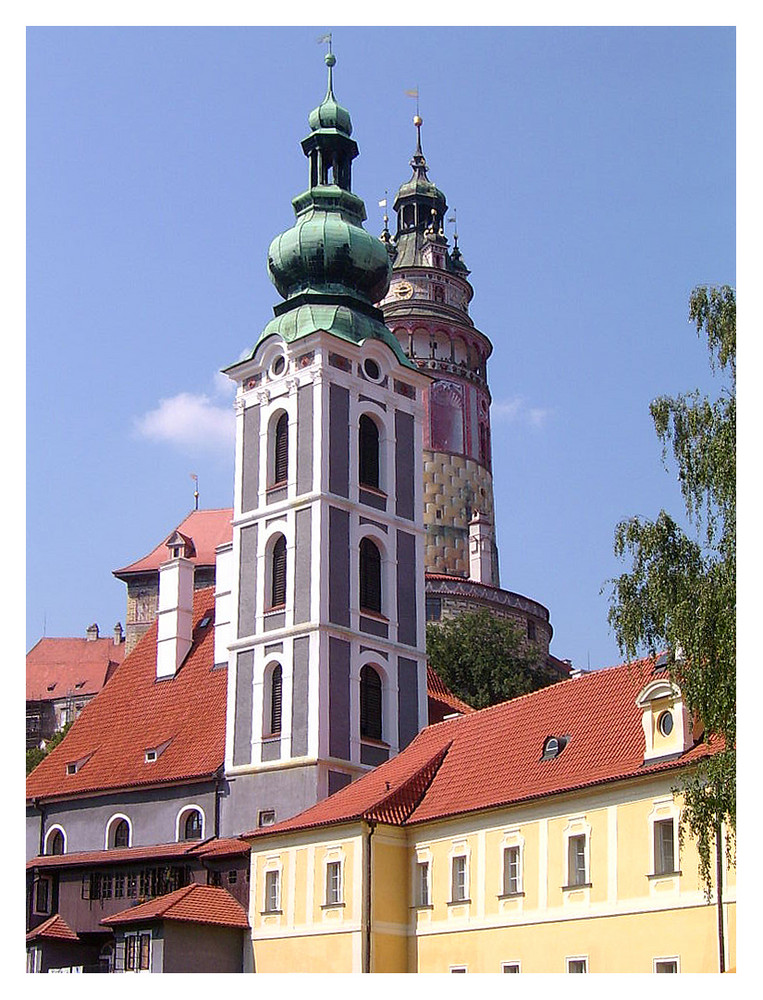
x: 35, y: 755
x: 680, y: 594
x: 484, y: 659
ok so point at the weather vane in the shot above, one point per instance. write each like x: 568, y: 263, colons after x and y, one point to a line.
x: 196, y: 490
x: 325, y: 38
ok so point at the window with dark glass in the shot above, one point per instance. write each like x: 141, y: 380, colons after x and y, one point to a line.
x: 122, y: 834
x: 56, y: 844
x: 368, y: 448
x: 370, y: 577
x: 370, y: 704
x: 276, y: 687
x: 278, y: 579
x: 281, y: 452
x: 42, y: 896
x: 192, y: 826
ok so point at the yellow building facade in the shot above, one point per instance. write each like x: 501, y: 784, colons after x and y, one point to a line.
x: 591, y: 879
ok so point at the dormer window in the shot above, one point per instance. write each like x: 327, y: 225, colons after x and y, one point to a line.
x: 180, y: 546
x: 153, y: 754
x: 73, y: 766
x: 554, y: 746
x: 667, y: 724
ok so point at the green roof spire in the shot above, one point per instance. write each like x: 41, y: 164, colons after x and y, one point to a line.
x: 329, y: 270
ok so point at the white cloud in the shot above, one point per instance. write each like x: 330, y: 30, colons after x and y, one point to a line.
x: 517, y: 411
x: 190, y: 420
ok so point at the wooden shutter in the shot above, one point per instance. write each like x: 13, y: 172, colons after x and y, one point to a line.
x: 368, y: 449
x: 370, y: 577
x: 276, y: 685
x: 370, y: 704
x: 281, y: 469
x: 278, y: 588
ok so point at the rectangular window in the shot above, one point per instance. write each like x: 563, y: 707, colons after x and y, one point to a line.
x: 131, y: 952
x: 511, y: 873
x: 576, y: 860
x: 666, y: 965
x: 119, y: 886
x: 107, y: 885
x: 132, y: 885
x: 272, y: 892
x: 458, y: 879
x: 664, y: 859
x: 458, y: 968
x: 510, y: 967
x: 145, y: 952
x: 34, y: 960
x: 333, y: 883
x: 42, y: 896
x: 577, y: 965
x: 422, y: 881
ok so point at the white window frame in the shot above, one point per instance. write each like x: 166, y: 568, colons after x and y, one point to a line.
x: 56, y: 828
x: 669, y: 958
x: 576, y: 958
x: 516, y: 965
x: 506, y: 890
x: 337, y: 864
x: 136, y: 936
x: 272, y: 871
x: 34, y: 959
x: 577, y: 827
x: 460, y: 856
x: 664, y: 809
x: 458, y: 968
x: 423, y: 882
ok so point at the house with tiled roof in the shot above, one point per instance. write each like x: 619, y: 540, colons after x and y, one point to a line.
x: 539, y: 835
x: 63, y: 674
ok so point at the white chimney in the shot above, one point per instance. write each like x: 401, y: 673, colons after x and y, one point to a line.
x: 223, y: 601
x: 480, y: 549
x: 91, y: 632
x: 175, y: 616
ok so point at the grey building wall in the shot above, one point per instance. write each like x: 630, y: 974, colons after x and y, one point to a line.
x: 202, y: 948
x: 404, y: 465
x: 406, y: 588
x: 302, y: 564
x: 339, y: 566
x: 286, y: 791
x: 304, y: 439
x: 339, y: 440
x: 242, y: 724
x: 300, y: 694
x: 339, y: 698
x: 247, y: 580
x: 407, y: 700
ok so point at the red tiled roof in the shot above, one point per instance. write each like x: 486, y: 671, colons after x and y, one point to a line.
x: 206, y: 528
x: 54, y: 927
x: 56, y: 668
x: 442, y: 701
x: 492, y: 757
x: 213, y: 848
x: 135, y: 712
x: 197, y: 904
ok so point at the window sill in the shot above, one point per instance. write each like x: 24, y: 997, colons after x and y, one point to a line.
x: 423, y: 906
x: 376, y: 615
x: 271, y: 737
x: 665, y: 874
x: 580, y: 885
x: 270, y: 913
x: 510, y: 895
x: 370, y: 741
x: 331, y: 906
x: 277, y: 486
x: 373, y: 489
x: 277, y: 609
x: 458, y: 902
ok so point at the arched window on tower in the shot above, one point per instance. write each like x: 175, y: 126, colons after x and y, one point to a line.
x: 278, y: 574
x: 281, y: 450
x: 276, y: 689
x: 370, y: 577
x: 370, y: 704
x: 368, y: 453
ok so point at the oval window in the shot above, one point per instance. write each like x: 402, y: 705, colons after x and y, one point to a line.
x: 665, y: 723
x: 278, y: 365
x: 371, y: 369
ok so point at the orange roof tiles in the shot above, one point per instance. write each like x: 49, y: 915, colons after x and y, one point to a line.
x: 212, y: 848
x: 442, y: 701
x: 492, y: 757
x: 206, y: 528
x: 198, y: 904
x: 135, y: 712
x: 54, y: 927
x: 57, y: 668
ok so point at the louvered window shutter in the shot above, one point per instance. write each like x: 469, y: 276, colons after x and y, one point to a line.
x: 368, y: 448
x: 275, y: 700
x: 370, y: 577
x: 281, y: 469
x: 278, y: 589
x: 370, y: 704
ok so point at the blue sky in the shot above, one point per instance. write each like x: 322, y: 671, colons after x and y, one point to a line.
x: 593, y: 174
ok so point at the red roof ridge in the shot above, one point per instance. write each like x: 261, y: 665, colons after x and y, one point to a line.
x: 397, y: 806
x: 194, y: 903
x: 53, y: 927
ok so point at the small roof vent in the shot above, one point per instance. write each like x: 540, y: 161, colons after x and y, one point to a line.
x: 553, y: 746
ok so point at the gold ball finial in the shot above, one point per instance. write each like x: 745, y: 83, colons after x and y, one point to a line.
x: 418, y: 120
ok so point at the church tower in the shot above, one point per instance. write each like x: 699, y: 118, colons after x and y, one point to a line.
x: 427, y: 308
x: 327, y: 664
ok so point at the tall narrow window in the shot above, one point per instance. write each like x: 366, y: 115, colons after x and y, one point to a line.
x: 278, y: 578
x: 370, y: 704
x: 333, y: 883
x: 276, y: 684
x: 272, y: 892
x: 511, y: 872
x: 664, y: 855
x: 368, y: 453
x: 576, y: 860
x: 458, y: 879
x: 370, y: 577
x: 281, y: 451
x: 56, y: 843
x: 423, y: 896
